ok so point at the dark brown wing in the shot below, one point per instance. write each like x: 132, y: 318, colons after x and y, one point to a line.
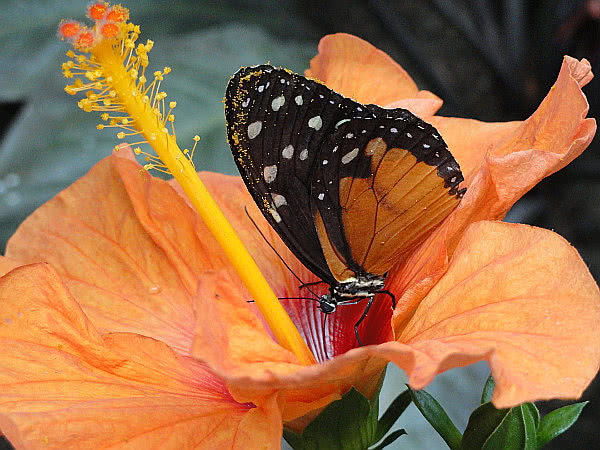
x: 276, y: 124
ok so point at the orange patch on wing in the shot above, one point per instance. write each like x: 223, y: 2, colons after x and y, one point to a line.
x: 389, y: 213
x: 376, y: 150
x: 335, y: 261
x: 408, y: 231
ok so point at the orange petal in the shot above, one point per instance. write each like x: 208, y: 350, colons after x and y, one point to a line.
x: 470, y: 141
x: 518, y: 296
x: 422, y: 106
x: 558, y: 128
x: 233, y: 342
x: 231, y: 335
x: 358, y: 70
x: 122, y: 270
x: 581, y: 71
x: 66, y: 386
x: 136, y: 254
x: 7, y: 264
x: 502, y: 161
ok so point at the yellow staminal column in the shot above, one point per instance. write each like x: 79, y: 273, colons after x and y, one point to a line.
x: 165, y: 146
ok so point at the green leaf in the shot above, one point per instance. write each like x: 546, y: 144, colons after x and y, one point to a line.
x: 488, y: 390
x: 531, y: 418
x: 294, y: 439
x: 389, y: 439
x: 395, y: 410
x: 437, y: 417
x: 482, y: 423
x: 535, y: 413
x: 343, y: 424
x: 557, y: 422
x: 490, y: 428
x: 349, y: 423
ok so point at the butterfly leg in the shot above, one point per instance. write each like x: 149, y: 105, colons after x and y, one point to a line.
x: 362, y: 317
x: 392, y: 297
x: 325, y: 351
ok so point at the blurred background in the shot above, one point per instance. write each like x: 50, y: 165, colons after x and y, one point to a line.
x: 489, y: 60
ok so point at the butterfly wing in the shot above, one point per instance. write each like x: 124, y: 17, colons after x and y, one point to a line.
x: 383, y: 184
x: 350, y: 188
x: 276, y: 124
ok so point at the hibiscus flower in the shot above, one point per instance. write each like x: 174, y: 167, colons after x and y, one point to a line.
x: 124, y: 324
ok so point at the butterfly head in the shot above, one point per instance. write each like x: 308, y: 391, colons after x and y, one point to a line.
x: 328, y: 303
x: 351, y: 291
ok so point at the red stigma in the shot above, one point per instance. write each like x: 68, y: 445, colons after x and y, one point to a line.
x: 117, y: 14
x: 109, y: 30
x: 69, y: 29
x: 85, y: 39
x: 97, y: 11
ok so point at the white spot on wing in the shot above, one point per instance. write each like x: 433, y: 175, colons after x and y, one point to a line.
x: 288, y: 151
x: 254, y: 129
x: 298, y: 100
x: 341, y: 122
x: 349, y: 135
x: 275, y: 215
x: 325, y: 162
x: 315, y: 122
x: 321, y: 196
x: 350, y: 156
x: 277, y: 103
x: 304, y: 154
x: 260, y: 88
x: 426, y: 145
x: 269, y: 173
x: 278, y: 200
x: 246, y: 102
x: 408, y: 135
x: 394, y: 130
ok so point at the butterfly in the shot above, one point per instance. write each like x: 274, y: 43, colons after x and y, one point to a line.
x: 351, y: 189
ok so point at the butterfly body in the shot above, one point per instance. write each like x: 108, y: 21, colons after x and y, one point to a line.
x: 351, y: 189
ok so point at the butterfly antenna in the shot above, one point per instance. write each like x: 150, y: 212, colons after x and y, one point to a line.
x: 278, y: 255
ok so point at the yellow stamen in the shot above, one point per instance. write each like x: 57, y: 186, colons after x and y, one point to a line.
x: 114, y: 80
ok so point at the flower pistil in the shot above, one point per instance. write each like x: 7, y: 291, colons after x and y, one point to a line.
x: 113, y: 80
